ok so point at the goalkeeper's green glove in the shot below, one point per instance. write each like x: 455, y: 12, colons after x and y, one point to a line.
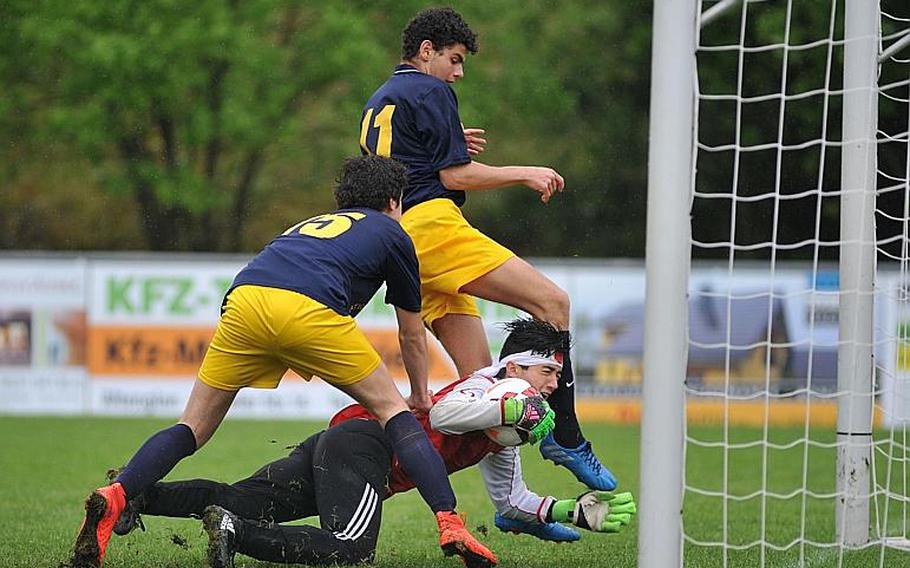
x: 598, y: 511
x: 531, y: 415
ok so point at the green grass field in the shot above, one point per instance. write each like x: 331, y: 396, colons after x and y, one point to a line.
x: 49, y: 465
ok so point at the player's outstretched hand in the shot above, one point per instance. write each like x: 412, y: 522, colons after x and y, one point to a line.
x: 531, y: 415
x: 545, y: 181
x: 604, y: 511
x: 473, y: 137
x: 420, y: 404
x: 598, y: 511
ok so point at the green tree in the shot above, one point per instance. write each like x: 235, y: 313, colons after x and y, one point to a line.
x: 570, y: 90
x: 212, y: 125
x: 178, y: 105
x: 215, y: 123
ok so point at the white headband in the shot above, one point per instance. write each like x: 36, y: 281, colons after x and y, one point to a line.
x: 524, y: 359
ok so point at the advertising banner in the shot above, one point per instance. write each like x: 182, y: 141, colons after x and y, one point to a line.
x: 126, y: 335
x: 42, y: 336
x: 892, y: 349
x: 747, y: 332
x: 150, y: 322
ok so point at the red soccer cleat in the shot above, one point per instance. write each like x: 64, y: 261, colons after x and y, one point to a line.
x: 102, y: 509
x: 454, y: 538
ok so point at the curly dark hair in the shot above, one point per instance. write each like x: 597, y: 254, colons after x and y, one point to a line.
x: 370, y: 181
x: 444, y: 27
x: 537, y: 336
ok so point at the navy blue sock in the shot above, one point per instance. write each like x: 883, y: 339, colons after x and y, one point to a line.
x: 420, y: 460
x: 156, y: 458
x: 567, y: 432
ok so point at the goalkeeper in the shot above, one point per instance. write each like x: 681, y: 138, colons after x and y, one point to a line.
x: 343, y: 473
x: 459, y: 416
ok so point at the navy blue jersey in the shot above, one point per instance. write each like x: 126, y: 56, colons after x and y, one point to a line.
x: 413, y: 117
x: 340, y: 259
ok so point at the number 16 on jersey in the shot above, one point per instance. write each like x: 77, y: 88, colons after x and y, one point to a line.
x: 383, y: 123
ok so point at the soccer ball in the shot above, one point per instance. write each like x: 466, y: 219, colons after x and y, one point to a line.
x: 508, y: 388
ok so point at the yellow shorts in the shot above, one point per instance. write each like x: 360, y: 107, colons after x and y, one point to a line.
x: 452, y: 253
x: 263, y: 332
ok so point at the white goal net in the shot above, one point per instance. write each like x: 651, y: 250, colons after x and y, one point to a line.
x: 795, y: 450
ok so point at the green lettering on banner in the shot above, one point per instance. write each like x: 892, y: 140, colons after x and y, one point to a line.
x: 377, y: 306
x: 118, y: 295
x: 151, y: 293
x: 222, y: 285
x: 179, y: 304
x: 176, y: 296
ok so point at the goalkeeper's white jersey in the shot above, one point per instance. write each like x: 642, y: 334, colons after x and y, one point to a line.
x: 464, y: 410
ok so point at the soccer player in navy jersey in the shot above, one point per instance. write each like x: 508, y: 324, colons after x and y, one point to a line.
x: 292, y: 307
x: 413, y: 117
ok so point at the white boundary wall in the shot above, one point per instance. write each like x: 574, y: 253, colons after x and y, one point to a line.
x: 123, y: 335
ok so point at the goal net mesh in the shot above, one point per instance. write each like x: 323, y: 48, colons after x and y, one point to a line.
x: 761, y: 451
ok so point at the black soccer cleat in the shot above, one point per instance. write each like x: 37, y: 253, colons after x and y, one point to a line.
x: 130, y: 518
x: 221, y: 526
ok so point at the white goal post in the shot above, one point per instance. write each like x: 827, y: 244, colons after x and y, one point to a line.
x: 818, y: 487
x: 667, y: 270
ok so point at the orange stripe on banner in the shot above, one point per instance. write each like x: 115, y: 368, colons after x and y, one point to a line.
x: 125, y: 351
x: 756, y: 412
x: 151, y: 351
x: 385, y: 342
x: 743, y: 413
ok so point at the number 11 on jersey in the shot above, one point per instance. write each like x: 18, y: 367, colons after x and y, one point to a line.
x: 383, y: 122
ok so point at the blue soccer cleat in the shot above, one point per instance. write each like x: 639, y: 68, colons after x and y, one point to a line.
x: 554, y: 532
x: 581, y: 461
